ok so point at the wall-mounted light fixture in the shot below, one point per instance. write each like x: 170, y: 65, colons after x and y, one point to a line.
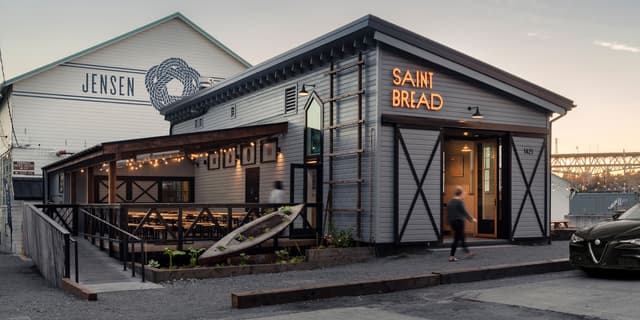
x: 305, y: 89
x: 476, y: 114
x: 465, y: 148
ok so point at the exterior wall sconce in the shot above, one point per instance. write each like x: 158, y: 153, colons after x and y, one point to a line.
x: 476, y: 114
x: 278, y: 150
x: 304, y: 91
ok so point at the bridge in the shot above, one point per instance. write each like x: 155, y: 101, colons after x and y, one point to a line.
x: 579, y: 164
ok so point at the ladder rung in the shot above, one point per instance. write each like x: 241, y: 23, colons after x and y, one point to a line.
x: 346, y: 152
x: 346, y: 95
x: 344, y: 209
x: 344, y: 124
x: 345, y: 181
x: 348, y: 66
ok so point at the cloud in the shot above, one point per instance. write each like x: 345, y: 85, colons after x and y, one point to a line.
x: 617, y: 46
x: 538, y: 35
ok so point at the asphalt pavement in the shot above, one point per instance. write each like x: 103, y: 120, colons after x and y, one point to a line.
x: 25, y: 294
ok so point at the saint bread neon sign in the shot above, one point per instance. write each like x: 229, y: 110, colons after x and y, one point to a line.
x: 413, y: 90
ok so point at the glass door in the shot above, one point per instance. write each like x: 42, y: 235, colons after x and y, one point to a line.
x: 487, y: 159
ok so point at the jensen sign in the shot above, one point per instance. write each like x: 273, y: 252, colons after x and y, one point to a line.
x: 414, y: 90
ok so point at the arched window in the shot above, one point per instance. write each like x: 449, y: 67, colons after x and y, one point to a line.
x: 313, y: 130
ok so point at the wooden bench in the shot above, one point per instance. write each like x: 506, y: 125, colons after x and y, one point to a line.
x: 560, y: 224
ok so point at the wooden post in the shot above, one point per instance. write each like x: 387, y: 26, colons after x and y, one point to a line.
x: 90, y: 186
x: 74, y: 187
x: 112, y: 182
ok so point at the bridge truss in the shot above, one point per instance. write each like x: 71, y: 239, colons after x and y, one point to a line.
x: 595, y: 164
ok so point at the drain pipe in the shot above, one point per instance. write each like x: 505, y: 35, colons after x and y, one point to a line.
x: 549, y: 149
x: 371, y: 156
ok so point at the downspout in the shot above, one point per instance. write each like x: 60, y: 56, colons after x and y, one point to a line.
x: 372, y: 133
x: 549, y: 164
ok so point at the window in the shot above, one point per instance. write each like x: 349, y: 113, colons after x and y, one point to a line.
x: 198, y: 123
x: 291, y: 100
x: 176, y: 191
x: 313, y: 131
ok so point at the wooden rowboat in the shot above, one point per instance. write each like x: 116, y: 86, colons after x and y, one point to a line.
x: 250, y: 235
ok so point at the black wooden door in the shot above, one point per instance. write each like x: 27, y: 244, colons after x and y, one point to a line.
x: 252, y: 185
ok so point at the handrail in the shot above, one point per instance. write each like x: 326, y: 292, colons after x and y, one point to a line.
x: 124, y: 245
x: 111, y: 225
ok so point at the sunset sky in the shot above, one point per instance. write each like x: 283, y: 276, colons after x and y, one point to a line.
x: 588, y: 51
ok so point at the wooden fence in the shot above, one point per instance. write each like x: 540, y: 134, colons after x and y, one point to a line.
x: 47, y: 244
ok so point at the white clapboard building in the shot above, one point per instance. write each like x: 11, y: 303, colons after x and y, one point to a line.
x: 111, y: 91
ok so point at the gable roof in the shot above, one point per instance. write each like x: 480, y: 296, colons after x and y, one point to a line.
x: 371, y: 28
x: 134, y: 32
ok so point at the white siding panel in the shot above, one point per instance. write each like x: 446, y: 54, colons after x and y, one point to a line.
x: 52, y: 112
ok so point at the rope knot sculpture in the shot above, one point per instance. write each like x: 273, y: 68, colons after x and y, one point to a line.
x: 159, y: 76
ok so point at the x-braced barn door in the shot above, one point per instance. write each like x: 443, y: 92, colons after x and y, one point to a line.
x: 529, y: 188
x: 418, y: 185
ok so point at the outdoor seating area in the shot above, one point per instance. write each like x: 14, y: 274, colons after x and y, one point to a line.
x: 163, y: 225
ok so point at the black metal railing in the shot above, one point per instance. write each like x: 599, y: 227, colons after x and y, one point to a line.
x: 168, y: 223
x: 103, y: 229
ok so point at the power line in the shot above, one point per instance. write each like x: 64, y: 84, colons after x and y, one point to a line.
x: 13, y: 128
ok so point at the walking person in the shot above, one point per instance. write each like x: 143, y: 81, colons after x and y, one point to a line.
x: 278, y: 195
x: 456, y: 215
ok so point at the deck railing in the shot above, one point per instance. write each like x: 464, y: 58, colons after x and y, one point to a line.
x: 162, y: 223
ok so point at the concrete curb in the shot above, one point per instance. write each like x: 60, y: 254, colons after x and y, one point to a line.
x: 252, y: 299
x: 78, y: 290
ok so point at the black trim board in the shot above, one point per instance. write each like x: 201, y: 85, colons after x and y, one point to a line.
x: 437, y: 124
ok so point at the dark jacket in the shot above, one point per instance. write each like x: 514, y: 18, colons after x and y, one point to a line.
x: 457, y: 211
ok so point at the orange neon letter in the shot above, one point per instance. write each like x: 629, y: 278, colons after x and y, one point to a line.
x: 395, y: 98
x: 440, y: 103
x: 396, y: 76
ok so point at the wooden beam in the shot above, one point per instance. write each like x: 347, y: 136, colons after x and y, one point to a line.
x: 90, y: 186
x: 112, y: 182
x: 179, y: 141
x: 74, y: 187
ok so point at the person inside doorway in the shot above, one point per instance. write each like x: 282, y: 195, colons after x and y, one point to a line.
x: 456, y: 215
x: 278, y: 195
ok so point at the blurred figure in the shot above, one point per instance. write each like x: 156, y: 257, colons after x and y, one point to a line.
x: 456, y: 215
x: 278, y: 195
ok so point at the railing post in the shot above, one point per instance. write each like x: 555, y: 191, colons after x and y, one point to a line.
x: 67, y: 257
x: 124, y: 254
x: 143, y: 256
x: 229, y: 219
x: 100, y: 230
x: 74, y: 227
x: 133, y: 259
x: 75, y: 243
x: 180, y: 230
x: 124, y: 224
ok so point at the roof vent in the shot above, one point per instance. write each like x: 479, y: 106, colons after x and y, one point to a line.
x: 290, y: 99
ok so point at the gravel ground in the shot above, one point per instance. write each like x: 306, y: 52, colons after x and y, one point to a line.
x: 24, y: 293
